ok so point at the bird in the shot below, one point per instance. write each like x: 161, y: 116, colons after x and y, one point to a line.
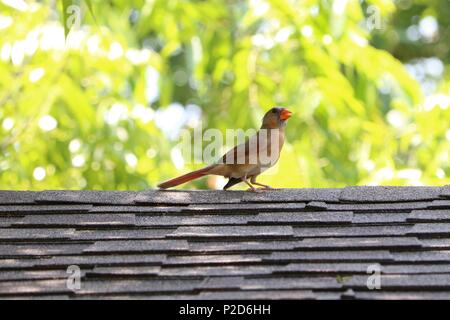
x: 246, y: 161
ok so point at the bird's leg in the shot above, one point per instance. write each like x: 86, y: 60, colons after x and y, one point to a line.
x: 252, y: 188
x: 265, y: 186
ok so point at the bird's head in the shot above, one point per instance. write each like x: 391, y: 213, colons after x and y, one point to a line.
x: 276, y: 117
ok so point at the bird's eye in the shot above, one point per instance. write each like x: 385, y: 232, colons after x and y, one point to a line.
x: 274, y: 110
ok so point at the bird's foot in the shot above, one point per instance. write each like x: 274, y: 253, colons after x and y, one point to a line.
x: 254, y: 189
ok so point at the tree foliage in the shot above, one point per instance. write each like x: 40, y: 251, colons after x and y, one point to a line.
x: 103, y: 106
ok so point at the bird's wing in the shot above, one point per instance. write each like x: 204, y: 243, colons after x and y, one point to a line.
x: 258, y: 149
x: 243, y: 153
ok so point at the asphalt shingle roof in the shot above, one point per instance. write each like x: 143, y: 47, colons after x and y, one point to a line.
x: 281, y: 244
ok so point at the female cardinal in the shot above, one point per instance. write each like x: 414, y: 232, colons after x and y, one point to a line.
x: 246, y: 161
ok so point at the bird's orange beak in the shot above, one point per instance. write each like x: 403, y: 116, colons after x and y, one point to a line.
x: 285, y: 114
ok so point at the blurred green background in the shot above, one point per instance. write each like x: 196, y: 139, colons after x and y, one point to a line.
x: 103, y: 108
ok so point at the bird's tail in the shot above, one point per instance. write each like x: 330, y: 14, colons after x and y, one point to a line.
x: 184, y: 178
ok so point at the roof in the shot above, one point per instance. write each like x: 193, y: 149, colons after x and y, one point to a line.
x: 280, y: 244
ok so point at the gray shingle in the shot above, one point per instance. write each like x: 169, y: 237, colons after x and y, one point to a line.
x: 445, y: 191
x: 430, y: 229
x: 359, y: 242
x: 221, y: 283
x: 188, y: 197
x: 443, y: 244
x: 209, y: 271
x: 141, y: 296
x: 422, y: 256
x: 125, y: 271
x: 84, y: 261
x: 39, y: 208
x: 331, y: 256
x: 34, y: 275
x: 439, y: 204
x: 136, y: 209
x: 16, y: 197
x: 324, y: 268
x: 222, y: 259
x: 429, y: 215
x: 259, y: 295
x: 262, y: 218
x: 138, y: 286
x: 233, y: 231
x: 372, y: 207
x: 8, y: 221
x: 188, y: 220
x: 389, y: 194
x: 380, y: 218
x: 20, y: 263
x: 43, y: 296
x: 415, y: 268
x: 35, y: 234
x: 291, y: 283
x: 240, y: 246
x: 44, y: 249
x: 408, y: 282
x: 245, y: 207
x: 33, y: 287
x: 77, y: 220
x: 304, y: 217
x: 138, y: 246
x: 105, y: 260
x: 86, y: 196
x: 98, y: 287
x: 402, y: 295
x: 293, y: 195
x: 343, y: 231
x: 137, y: 234
x: 328, y: 295
x: 317, y: 205
x: 221, y: 295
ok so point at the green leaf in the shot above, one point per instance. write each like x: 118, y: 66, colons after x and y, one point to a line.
x: 65, y: 5
x: 91, y: 10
